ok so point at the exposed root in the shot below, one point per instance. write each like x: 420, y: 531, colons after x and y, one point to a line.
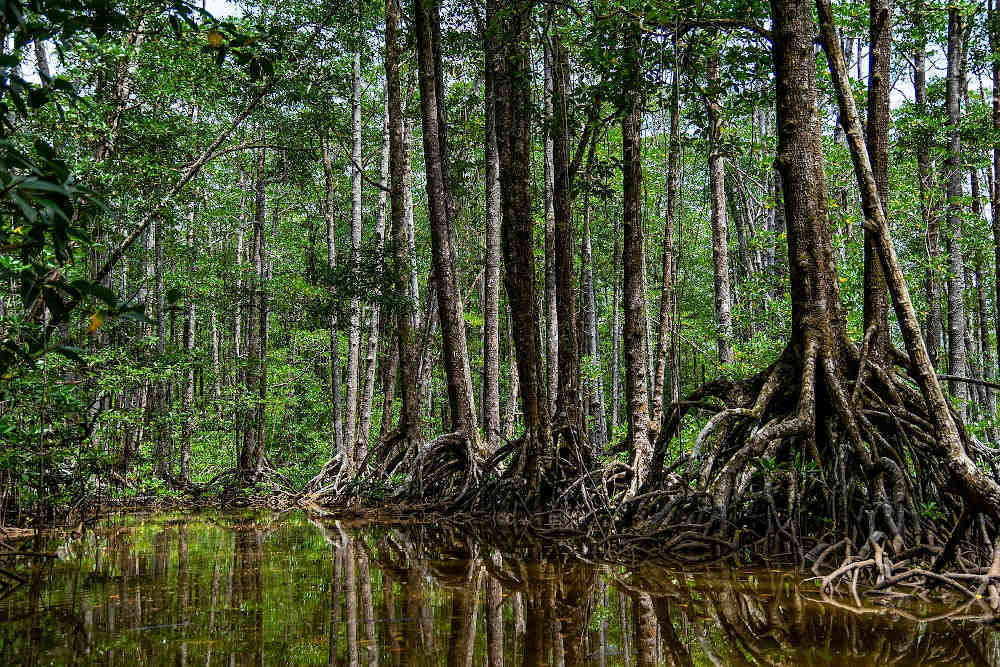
x: 824, y: 441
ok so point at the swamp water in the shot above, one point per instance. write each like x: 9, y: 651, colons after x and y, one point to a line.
x: 234, y: 589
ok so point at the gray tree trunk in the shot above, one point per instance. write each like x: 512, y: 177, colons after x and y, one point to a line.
x: 339, y: 447
x: 365, y: 410
x: 956, y: 281
x: 633, y: 283
x: 491, y: 281
x: 551, y: 303
x: 354, y: 328
x: 720, y: 224
x: 455, y: 352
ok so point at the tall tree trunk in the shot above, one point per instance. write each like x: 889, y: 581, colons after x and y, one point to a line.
x: 956, y: 280
x: 616, y: 334
x: 720, y: 224
x: 187, y: 397
x: 644, y: 622
x: 399, y: 167
x: 568, y: 400
x: 494, y: 622
x: 599, y: 429
x: 633, y: 282
x: 251, y: 454
x: 508, y: 24
x: 354, y: 330
x: 876, y: 295
x: 491, y: 278
x: 160, y: 457
x: 551, y: 299
x: 513, y: 386
x: 932, y: 282
x: 368, y: 393
x: 455, y: 355
x: 994, y: 35
x: 667, y: 263
x: 339, y: 447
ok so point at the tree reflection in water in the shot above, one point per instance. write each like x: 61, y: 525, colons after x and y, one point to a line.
x: 262, y: 589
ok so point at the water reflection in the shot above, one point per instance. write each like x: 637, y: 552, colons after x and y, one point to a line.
x: 263, y: 589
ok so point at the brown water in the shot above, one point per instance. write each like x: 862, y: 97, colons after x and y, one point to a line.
x: 219, y: 589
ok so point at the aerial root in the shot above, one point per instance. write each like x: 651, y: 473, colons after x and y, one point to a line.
x: 444, y: 470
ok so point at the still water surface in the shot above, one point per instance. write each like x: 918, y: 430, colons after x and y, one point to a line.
x: 226, y: 589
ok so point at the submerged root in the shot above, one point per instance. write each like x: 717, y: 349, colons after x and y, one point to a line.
x: 875, y: 572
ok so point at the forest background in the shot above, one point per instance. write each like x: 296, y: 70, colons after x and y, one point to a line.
x: 203, y: 274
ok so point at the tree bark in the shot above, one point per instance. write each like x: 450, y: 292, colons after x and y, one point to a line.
x: 932, y: 282
x: 663, y: 356
x: 491, y: 278
x: 955, y: 191
x: 187, y: 395
x: 160, y: 455
x: 994, y: 38
x: 251, y: 454
x: 616, y: 334
x: 551, y: 298
x: 568, y: 400
x: 331, y: 264
x: 368, y: 393
x: 494, y: 622
x: 513, y: 386
x: 354, y: 327
x: 455, y: 357
x: 508, y: 24
x: 876, y: 296
x: 720, y: 223
x: 633, y: 282
x: 599, y: 428
x: 399, y: 166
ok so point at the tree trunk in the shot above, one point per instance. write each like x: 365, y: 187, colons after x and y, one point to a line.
x: 491, y: 278
x: 932, y: 282
x: 876, y: 296
x: 720, y: 224
x: 513, y: 386
x: 187, y: 396
x: 667, y: 263
x: 956, y: 280
x: 354, y: 328
x: 494, y: 622
x: 399, y: 166
x: 633, y: 282
x: 644, y: 621
x: 251, y: 454
x: 368, y: 393
x: 331, y: 264
x: 508, y: 24
x: 455, y: 355
x: 160, y: 457
x: 994, y: 35
x: 551, y: 299
x: 599, y: 429
x: 568, y: 400
x: 616, y: 334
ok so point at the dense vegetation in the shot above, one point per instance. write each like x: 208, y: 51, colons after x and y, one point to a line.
x: 658, y: 263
